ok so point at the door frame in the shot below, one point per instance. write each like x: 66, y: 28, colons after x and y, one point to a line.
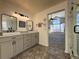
x: 65, y: 25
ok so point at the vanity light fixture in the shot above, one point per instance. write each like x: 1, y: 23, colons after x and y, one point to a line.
x: 21, y: 14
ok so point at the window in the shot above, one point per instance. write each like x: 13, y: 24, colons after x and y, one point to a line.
x: 56, y: 25
x: 56, y: 22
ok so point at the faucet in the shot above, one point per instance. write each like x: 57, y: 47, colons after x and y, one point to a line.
x: 10, y: 29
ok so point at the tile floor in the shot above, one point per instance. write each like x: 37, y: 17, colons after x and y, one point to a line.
x: 41, y: 52
x: 36, y: 52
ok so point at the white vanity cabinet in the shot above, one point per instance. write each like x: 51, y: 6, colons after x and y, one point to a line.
x: 30, y: 40
x: 17, y: 44
x: 11, y: 46
x: 36, y: 38
x: 27, y: 41
x: 6, y: 49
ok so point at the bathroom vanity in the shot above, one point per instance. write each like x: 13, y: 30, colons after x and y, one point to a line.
x: 13, y: 41
x: 12, y: 45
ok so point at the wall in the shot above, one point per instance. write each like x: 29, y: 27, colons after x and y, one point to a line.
x: 10, y: 8
x: 40, y: 17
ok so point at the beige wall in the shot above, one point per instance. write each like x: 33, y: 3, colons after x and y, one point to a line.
x: 10, y: 8
x: 44, y: 30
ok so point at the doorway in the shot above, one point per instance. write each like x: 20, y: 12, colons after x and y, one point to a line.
x: 56, y: 32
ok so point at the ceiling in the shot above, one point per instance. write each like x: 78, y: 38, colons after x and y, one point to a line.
x: 35, y: 6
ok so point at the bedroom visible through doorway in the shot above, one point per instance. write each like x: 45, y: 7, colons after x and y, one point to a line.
x: 56, y: 29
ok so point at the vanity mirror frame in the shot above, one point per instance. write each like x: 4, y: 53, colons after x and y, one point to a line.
x: 9, y: 16
x: 29, y: 25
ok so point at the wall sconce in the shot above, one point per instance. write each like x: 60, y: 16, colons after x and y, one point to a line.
x: 39, y: 24
x: 21, y: 14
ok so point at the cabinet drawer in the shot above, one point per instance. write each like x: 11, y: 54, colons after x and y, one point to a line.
x: 17, y: 37
x: 4, y: 39
x: 27, y: 41
x: 27, y: 45
x: 27, y: 36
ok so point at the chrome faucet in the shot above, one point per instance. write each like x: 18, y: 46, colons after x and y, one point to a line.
x: 10, y: 29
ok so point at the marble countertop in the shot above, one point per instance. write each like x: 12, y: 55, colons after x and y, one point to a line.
x: 16, y: 33
x: 9, y: 36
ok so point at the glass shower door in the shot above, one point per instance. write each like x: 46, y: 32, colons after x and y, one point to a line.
x: 76, y: 35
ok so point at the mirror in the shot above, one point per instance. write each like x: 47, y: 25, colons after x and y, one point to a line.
x: 29, y: 24
x: 76, y: 29
x: 9, y: 23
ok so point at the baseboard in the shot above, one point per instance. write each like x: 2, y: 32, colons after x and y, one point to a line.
x: 44, y: 44
x: 66, y: 51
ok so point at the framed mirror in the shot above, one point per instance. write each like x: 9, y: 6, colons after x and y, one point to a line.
x: 9, y: 23
x: 76, y: 29
x: 29, y: 25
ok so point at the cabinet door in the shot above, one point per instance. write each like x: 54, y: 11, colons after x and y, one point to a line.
x: 33, y: 39
x: 36, y: 38
x: 30, y: 40
x: 18, y: 47
x: 27, y: 43
x: 6, y: 50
